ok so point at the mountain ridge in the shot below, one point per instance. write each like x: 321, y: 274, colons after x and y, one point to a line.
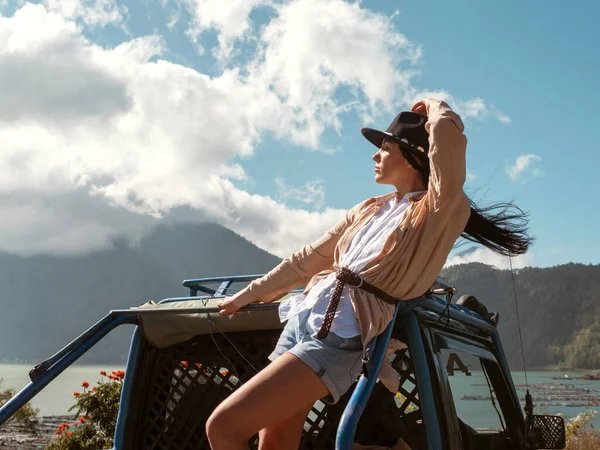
x: 52, y: 299
x: 49, y: 300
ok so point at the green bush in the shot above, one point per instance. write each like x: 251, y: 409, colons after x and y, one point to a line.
x: 97, y: 408
x: 580, y: 433
x: 26, y: 417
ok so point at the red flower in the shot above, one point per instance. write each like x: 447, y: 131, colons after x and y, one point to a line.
x: 103, y: 373
x: 58, y: 432
x: 185, y: 363
x: 118, y: 375
x: 94, y: 389
x: 85, y: 385
x: 82, y: 419
x: 70, y: 434
x: 75, y: 424
x: 75, y: 394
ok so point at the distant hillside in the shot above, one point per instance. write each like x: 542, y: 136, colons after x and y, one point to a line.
x: 47, y: 301
x: 559, y: 309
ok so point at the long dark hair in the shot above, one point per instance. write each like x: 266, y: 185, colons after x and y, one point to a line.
x: 501, y: 227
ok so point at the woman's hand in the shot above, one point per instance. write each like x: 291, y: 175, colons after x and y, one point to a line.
x: 228, y: 307
x: 422, y: 106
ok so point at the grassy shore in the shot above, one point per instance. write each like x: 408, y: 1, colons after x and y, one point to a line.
x: 14, y: 436
x: 589, y: 440
x: 580, y: 434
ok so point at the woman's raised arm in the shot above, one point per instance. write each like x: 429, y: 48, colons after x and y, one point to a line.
x: 447, y: 149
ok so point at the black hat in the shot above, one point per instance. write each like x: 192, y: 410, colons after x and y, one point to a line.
x: 408, y: 130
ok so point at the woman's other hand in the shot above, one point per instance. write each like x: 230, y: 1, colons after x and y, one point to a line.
x: 228, y: 307
x: 422, y: 106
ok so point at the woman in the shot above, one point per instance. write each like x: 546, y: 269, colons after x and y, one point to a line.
x: 398, y: 243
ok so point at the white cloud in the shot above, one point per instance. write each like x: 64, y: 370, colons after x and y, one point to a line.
x: 230, y: 20
x: 521, y: 164
x: 128, y: 135
x: 99, y: 141
x: 314, y: 47
x: 175, y: 17
x: 475, y: 108
x: 486, y: 256
x: 311, y: 193
x: 469, y: 109
x: 91, y: 12
x: 504, y: 119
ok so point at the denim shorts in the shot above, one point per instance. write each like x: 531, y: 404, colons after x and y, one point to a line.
x: 336, y: 360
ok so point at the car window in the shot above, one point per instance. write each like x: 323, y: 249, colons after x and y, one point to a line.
x: 475, y: 402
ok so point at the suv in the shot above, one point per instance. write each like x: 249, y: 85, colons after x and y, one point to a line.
x: 185, y: 359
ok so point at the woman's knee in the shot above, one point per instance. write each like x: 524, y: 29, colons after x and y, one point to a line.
x: 220, y: 426
x: 214, y: 426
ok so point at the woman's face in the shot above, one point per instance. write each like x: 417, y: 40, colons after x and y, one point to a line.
x: 391, y: 167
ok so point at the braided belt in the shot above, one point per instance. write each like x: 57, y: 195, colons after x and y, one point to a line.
x: 346, y: 276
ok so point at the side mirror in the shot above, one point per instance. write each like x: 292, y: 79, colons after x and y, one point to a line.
x: 547, y: 432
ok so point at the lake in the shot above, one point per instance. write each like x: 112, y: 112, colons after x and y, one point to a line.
x: 57, y: 397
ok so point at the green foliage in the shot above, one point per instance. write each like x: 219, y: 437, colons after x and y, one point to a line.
x: 583, y: 351
x: 81, y: 437
x: 558, y: 309
x: 580, y: 432
x: 26, y: 417
x: 579, y: 424
x: 99, y: 407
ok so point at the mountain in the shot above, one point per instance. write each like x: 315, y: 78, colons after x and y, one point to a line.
x: 47, y: 301
x: 559, y: 310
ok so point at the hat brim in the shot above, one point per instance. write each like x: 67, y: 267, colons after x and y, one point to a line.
x: 377, y: 137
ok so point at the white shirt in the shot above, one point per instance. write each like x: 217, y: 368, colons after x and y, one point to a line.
x: 366, y: 245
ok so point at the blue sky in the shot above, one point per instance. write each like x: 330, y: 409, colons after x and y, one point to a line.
x: 249, y: 113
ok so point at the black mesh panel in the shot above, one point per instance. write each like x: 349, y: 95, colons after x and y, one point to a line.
x: 178, y: 387
x: 549, y: 431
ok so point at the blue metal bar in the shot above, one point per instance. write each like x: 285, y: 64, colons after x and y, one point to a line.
x: 133, y: 361
x: 506, y: 370
x: 235, y: 279
x: 222, y: 289
x: 40, y: 368
x: 217, y: 295
x: 455, y: 312
x: 358, y: 401
x: 91, y: 337
x: 43, y: 373
x: 197, y: 287
x: 419, y: 359
x: 197, y: 284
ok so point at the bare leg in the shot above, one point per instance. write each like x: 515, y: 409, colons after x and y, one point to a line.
x: 283, y: 435
x: 285, y: 388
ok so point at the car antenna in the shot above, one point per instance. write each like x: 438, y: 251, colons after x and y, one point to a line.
x: 528, y: 399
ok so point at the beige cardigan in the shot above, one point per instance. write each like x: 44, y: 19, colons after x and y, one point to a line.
x: 412, y: 256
